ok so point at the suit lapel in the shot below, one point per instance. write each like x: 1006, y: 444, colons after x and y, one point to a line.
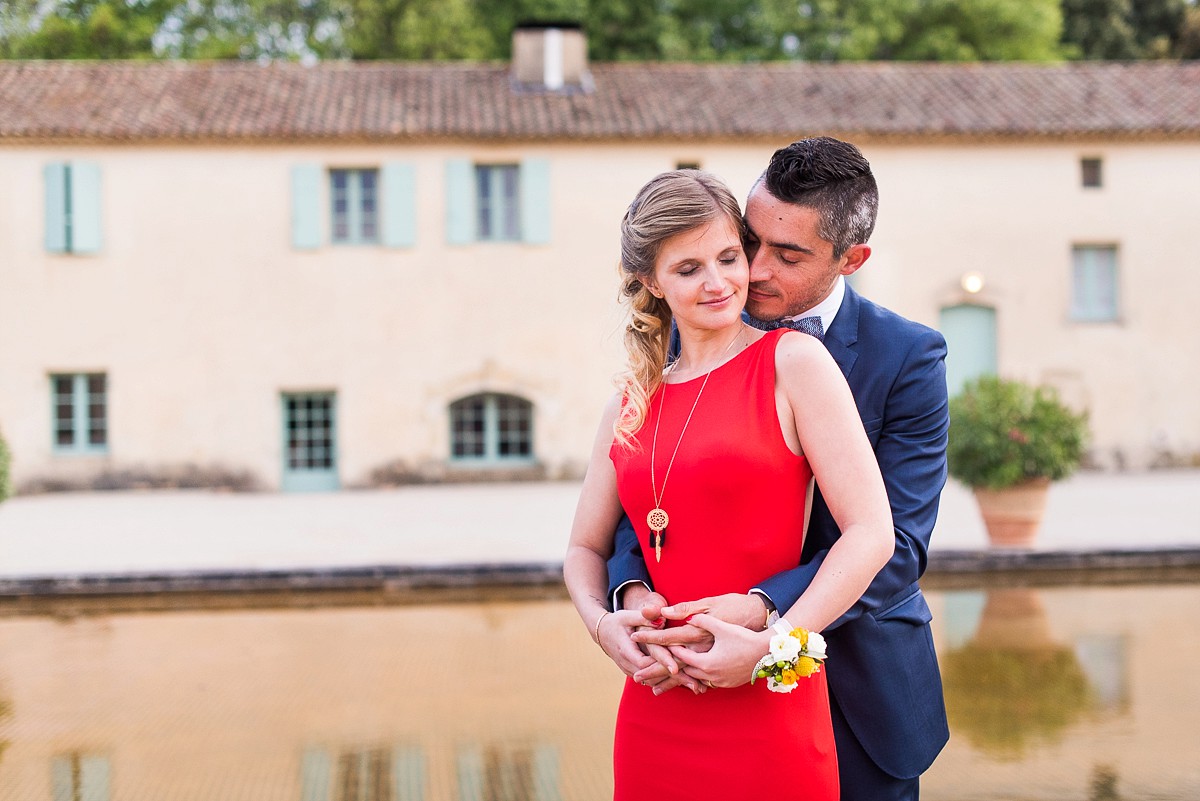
x: 842, y: 336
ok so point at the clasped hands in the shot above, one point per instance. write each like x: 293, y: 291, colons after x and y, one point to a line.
x: 718, y: 646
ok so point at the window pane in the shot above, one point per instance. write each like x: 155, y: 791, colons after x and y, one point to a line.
x: 467, y: 428
x: 1091, y: 169
x: 498, y: 196
x: 513, y: 416
x: 310, y: 433
x: 484, y: 178
x: 511, y: 225
x: 369, y: 204
x: 339, y: 194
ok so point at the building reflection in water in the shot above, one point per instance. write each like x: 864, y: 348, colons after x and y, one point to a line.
x: 1054, y: 693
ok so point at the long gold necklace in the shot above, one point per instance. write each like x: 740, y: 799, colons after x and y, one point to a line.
x: 657, y: 519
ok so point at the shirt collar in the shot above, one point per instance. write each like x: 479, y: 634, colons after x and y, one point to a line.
x: 828, y: 308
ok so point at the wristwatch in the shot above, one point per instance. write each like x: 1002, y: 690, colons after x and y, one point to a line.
x: 772, y: 612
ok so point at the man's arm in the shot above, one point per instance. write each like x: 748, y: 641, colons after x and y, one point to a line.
x: 911, y: 452
x: 626, y: 563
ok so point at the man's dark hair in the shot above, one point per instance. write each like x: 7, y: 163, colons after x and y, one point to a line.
x: 832, y: 177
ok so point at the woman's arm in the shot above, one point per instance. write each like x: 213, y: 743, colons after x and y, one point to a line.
x: 596, y: 517
x: 585, y: 570
x: 811, y: 390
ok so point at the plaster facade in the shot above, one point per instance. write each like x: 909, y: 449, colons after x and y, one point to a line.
x: 201, y: 312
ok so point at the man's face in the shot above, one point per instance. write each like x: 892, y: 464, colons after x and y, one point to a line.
x: 792, y: 268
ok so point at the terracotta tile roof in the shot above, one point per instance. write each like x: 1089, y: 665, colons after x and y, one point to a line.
x: 127, y: 101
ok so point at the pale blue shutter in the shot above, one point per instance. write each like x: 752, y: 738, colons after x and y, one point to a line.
x: 460, y: 202
x: 306, y: 206
x: 535, y: 201
x: 56, y: 207
x: 85, y: 207
x: 399, y: 205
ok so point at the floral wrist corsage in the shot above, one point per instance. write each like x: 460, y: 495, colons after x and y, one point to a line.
x: 795, y: 654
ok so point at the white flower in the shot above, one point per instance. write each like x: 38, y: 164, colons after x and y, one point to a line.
x: 780, y: 687
x: 785, y: 648
x: 816, y: 645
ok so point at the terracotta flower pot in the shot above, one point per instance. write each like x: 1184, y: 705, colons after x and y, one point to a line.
x: 1013, y: 515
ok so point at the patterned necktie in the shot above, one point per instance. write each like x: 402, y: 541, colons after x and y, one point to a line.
x: 805, y: 325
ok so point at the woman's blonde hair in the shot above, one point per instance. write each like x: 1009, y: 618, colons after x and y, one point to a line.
x: 670, y: 204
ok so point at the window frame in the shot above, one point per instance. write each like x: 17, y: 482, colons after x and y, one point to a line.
x: 357, y: 216
x: 81, y: 400
x: 498, y: 214
x: 1091, y: 172
x: 505, y: 433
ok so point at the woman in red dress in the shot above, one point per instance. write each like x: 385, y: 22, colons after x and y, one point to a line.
x: 710, y: 456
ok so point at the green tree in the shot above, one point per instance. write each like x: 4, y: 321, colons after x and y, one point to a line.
x: 929, y: 30
x: 1188, y: 45
x: 624, y: 30
x: 81, y: 29
x: 1124, y: 29
x: 252, y: 29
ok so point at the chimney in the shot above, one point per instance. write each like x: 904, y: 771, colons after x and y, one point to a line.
x: 550, y: 57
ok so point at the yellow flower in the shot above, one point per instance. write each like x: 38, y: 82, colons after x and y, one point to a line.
x: 806, y: 666
x: 788, y: 676
x: 802, y: 636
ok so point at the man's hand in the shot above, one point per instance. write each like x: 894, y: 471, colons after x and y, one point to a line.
x: 748, y: 611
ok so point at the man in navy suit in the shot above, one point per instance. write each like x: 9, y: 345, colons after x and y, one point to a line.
x: 808, y: 221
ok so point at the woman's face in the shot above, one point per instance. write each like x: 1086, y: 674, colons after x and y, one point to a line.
x: 703, y: 274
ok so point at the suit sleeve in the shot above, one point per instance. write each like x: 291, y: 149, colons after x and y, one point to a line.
x: 626, y: 564
x: 911, y: 451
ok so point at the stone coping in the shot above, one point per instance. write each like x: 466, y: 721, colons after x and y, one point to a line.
x: 946, y: 569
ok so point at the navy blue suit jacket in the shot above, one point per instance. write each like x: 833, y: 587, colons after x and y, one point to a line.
x: 882, y: 670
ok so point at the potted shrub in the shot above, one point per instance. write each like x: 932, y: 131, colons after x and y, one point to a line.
x: 1008, y: 441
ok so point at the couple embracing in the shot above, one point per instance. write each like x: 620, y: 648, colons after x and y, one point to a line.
x: 761, y: 495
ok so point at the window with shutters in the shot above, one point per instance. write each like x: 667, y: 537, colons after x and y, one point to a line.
x: 366, y: 206
x: 498, y: 202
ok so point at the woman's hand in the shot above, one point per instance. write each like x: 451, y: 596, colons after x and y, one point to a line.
x: 731, y: 660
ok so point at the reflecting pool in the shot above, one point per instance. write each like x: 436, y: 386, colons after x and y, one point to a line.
x: 1054, y: 693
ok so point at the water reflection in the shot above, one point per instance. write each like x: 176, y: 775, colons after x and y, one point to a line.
x: 1013, y: 685
x: 1071, y: 692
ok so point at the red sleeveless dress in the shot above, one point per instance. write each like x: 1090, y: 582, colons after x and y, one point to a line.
x: 735, y: 498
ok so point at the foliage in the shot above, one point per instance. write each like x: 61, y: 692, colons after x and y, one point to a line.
x: 252, y: 29
x: 1003, y: 432
x: 930, y: 30
x: 690, y: 30
x: 71, y: 29
x: 1124, y: 29
x: 5, y: 467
